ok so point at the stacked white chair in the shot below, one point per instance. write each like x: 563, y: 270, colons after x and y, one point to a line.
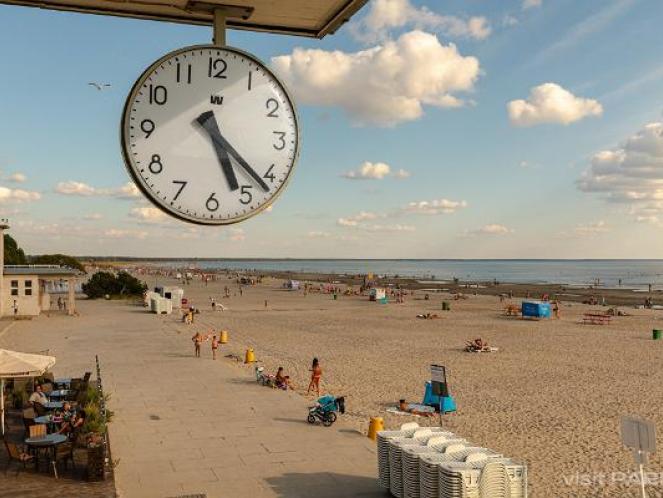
x: 429, y: 475
x: 410, y: 461
x: 396, y: 445
x: 503, y: 478
x: 461, y: 479
x: 383, y: 438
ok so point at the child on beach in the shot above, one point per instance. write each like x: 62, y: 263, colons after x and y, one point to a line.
x: 282, y: 381
x: 316, y: 373
x: 215, y: 346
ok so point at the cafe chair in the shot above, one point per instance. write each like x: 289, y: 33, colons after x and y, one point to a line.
x: 16, y: 454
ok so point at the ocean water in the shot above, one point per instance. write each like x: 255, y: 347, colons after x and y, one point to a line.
x: 633, y: 273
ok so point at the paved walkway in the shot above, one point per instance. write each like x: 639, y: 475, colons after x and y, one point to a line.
x: 184, y: 425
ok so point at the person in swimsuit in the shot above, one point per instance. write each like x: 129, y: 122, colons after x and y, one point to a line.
x: 316, y: 373
x: 197, y: 341
x: 282, y: 381
x: 215, y: 346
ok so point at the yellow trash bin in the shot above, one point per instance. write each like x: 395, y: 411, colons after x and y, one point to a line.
x: 249, y: 357
x: 376, y: 425
x: 224, y: 337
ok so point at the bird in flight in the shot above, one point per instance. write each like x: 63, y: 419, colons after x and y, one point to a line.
x: 99, y: 86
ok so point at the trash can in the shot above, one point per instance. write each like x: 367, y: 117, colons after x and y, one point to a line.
x: 445, y: 306
x: 656, y: 334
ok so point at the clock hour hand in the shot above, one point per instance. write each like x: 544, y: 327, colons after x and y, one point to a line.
x: 207, y: 121
x: 231, y: 150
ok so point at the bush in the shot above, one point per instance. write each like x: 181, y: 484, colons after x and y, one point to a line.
x: 14, y: 255
x: 103, y: 282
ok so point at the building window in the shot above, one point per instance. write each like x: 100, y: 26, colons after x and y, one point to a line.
x: 14, y: 283
x: 28, y: 292
x: 28, y: 283
x: 14, y: 287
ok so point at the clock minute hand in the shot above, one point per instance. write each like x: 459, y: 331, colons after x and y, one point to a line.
x: 207, y: 121
x: 231, y: 150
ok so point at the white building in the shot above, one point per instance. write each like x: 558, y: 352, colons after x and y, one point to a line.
x: 24, y: 288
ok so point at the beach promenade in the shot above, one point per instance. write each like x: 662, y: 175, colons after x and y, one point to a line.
x: 186, y: 426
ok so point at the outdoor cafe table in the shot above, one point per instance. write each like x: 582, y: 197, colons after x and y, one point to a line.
x: 50, y: 441
x: 53, y: 405
x: 48, y: 420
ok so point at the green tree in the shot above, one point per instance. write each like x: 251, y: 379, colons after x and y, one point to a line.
x: 103, y: 282
x: 14, y: 255
x: 57, y: 259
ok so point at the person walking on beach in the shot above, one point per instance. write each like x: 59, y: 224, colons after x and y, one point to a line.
x: 316, y: 373
x: 197, y: 341
x: 215, y: 346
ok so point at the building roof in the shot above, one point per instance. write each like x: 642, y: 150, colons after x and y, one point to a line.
x: 40, y: 270
x: 315, y: 18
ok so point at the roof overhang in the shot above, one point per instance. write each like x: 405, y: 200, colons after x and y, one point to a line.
x: 313, y: 18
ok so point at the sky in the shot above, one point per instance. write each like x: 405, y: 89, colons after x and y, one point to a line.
x: 430, y: 129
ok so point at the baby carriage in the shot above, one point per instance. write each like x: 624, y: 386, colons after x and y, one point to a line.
x: 325, y: 410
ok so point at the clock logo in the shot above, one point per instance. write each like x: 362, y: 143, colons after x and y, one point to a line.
x: 210, y: 135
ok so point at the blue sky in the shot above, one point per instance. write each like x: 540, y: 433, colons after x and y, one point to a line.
x: 540, y: 135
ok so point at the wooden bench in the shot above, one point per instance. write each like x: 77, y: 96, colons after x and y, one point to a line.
x: 596, y: 319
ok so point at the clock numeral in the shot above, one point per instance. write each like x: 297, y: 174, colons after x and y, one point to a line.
x: 272, y: 106
x: 216, y: 99
x: 280, y: 145
x: 247, y: 193
x: 269, y: 175
x: 155, y: 164
x: 182, y: 184
x: 212, y: 68
x: 250, y: 75
x: 147, y: 125
x: 158, y: 94
x: 188, y: 73
x: 212, y: 203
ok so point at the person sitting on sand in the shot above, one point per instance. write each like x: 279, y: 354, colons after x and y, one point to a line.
x: 282, y: 381
x: 316, y: 374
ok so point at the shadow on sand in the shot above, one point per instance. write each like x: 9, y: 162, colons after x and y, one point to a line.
x: 325, y: 485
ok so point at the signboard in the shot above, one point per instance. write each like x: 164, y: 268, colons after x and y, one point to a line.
x: 438, y: 377
x: 639, y: 435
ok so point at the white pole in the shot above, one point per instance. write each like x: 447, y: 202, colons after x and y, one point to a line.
x: 642, y: 481
x: 2, y: 403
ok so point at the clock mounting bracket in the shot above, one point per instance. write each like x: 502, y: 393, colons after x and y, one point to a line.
x: 221, y: 13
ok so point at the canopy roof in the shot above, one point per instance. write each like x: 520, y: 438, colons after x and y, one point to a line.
x: 315, y: 18
x: 15, y: 364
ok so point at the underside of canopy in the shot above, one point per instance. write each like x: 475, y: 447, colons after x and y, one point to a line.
x: 16, y: 364
x: 314, y: 18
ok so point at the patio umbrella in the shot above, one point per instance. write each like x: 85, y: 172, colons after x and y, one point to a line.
x: 14, y: 364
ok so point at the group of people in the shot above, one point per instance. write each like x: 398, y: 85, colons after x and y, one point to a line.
x: 198, y: 340
x: 67, y: 420
x: 282, y: 381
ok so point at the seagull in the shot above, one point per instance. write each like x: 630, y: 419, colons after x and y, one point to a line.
x: 99, y: 86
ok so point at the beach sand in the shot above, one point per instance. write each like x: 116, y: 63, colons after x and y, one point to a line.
x: 552, y: 396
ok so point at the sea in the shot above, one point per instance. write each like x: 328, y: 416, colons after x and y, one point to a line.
x: 606, y: 273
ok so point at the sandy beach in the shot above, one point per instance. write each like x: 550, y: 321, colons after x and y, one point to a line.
x: 552, y: 396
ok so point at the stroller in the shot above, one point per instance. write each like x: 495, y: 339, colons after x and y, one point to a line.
x: 325, y: 410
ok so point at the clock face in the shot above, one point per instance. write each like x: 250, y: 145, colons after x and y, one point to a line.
x: 210, y: 135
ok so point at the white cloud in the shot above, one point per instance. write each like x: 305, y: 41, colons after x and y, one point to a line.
x: 74, y: 188
x: 550, y: 103
x: 491, y: 229
x: 509, y: 21
x: 93, y: 216
x: 9, y: 195
x: 384, y: 85
x: 17, y: 177
x: 319, y: 235
x: 386, y: 15
x: 402, y: 174
x: 528, y: 4
x: 353, y: 221
x: 148, y: 214
x: 236, y: 234
x: 117, y: 233
x: 630, y: 174
x: 388, y: 228
x: 369, y: 171
x: 591, y: 229
x: 438, y: 206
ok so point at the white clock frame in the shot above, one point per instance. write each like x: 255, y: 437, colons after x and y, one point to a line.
x: 133, y: 168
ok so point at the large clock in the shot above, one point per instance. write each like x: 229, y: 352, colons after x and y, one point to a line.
x: 210, y: 135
